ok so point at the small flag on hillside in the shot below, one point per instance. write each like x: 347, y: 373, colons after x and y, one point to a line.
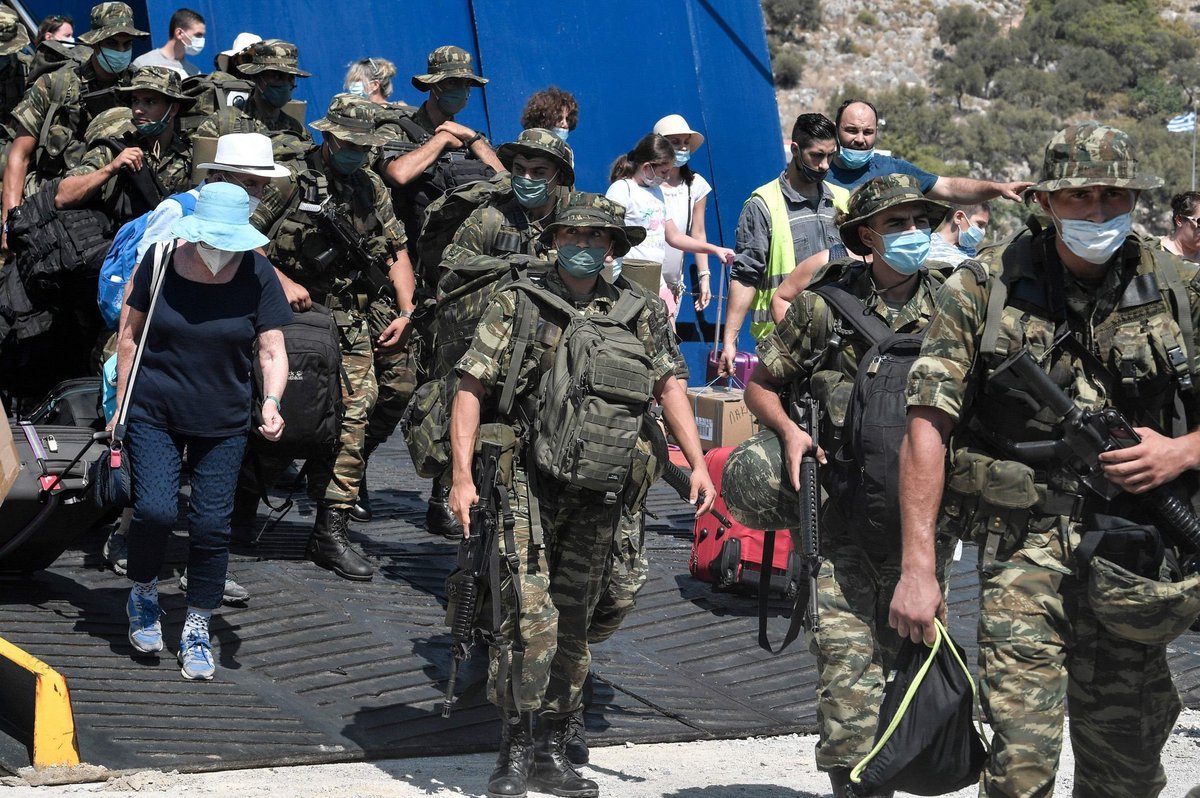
x: 1184, y: 123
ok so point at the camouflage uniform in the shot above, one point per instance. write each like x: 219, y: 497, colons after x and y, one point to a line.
x: 13, y: 38
x: 297, y: 242
x: 854, y: 646
x: 172, y: 165
x: 75, y: 93
x: 290, y: 142
x: 560, y: 581
x: 1040, y: 642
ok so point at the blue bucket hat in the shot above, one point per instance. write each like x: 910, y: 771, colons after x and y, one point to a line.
x: 221, y: 220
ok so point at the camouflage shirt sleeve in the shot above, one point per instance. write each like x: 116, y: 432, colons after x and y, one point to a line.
x: 30, y: 113
x: 491, y: 348
x: 940, y: 377
x: 96, y: 159
x: 794, y: 339
x: 471, y: 237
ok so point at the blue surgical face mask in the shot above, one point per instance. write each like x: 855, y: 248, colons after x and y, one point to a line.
x: 906, y: 252
x: 358, y: 87
x: 971, y: 238
x: 682, y: 157
x: 195, y: 46
x: 277, y: 94
x: 855, y: 159
x: 529, y: 192
x: 618, y: 264
x: 1095, y: 242
x: 451, y: 101
x: 114, y: 61
x: 152, y: 129
x: 561, y: 132
x: 347, y: 161
x: 581, y: 261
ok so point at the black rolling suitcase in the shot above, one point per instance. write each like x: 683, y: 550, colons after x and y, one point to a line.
x: 72, y: 403
x: 49, y: 505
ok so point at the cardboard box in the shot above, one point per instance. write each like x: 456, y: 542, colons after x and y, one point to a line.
x: 10, y: 461
x: 722, y: 418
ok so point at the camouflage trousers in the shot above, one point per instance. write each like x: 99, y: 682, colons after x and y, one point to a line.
x: 395, y: 374
x: 333, y: 478
x: 1040, y: 649
x: 855, y: 648
x: 628, y: 573
x: 559, y: 585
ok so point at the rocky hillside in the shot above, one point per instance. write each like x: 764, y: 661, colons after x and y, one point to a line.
x: 881, y: 46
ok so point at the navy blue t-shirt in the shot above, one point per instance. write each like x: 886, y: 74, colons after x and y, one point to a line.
x: 195, y: 373
x: 851, y: 179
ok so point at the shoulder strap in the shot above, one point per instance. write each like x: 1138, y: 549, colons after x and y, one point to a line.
x: 539, y: 294
x: 523, y: 331
x: 419, y: 134
x: 186, y: 200
x: 163, y: 250
x: 1165, y: 266
x: 854, y: 312
x: 627, y: 307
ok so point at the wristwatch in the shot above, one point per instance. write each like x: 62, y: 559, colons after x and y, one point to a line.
x: 406, y: 314
x: 467, y: 144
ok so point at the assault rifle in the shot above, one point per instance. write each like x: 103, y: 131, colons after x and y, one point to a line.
x: 806, y: 412
x: 471, y: 575
x: 331, y: 219
x: 679, y: 479
x: 1084, y: 436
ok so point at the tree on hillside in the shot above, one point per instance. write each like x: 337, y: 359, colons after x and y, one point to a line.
x: 785, y: 19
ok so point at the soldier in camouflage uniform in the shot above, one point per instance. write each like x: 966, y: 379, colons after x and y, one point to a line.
x: 55, y: 112
x: 13, y: 69
x: 813, y: 347
x: 273, y: 69
x: 336, y: 173
x: 1083, y: 296
x: 507, y: 225
x: 559, y: 581
x: 148, y: 128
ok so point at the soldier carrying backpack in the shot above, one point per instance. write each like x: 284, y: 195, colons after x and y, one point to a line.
x: 848, y: 342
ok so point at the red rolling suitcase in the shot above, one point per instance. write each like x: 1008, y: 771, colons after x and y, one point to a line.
x: 732, y: 556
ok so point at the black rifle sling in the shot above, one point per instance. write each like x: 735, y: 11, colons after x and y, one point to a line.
x: 854, y: 312
x: 795, y: 614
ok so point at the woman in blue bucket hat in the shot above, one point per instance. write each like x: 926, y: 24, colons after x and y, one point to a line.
x: 216, y: 298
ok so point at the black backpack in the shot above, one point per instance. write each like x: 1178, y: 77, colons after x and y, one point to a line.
x: 868, y: 481
x: 312, y: 404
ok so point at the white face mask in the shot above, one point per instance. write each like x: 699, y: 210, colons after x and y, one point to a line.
x: 195, y: 46
x: 215, y: 259
x: 1094, y: 242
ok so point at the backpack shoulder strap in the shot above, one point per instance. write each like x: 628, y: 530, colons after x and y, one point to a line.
x: 409, y: 125
x: 1167, y: 269
x: 627, y: 308
x: 854, y: 312
x: 186, y: 200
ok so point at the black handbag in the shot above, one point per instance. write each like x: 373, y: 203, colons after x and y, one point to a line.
x: 111, y: 474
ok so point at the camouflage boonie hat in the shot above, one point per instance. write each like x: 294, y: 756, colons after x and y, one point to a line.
x: 162, y: 80
x: 596, y: 210
x: 754, y: 487
x: 111, y: 123
x: 538, y: 142
x: 1091, y: 154
x: 881, y: 193
x: 1146, y: 611
x: 444, y: 63
x: 275, y: 55
x: 350, y: 118
x: 109, y: 19
x: 13, y: 35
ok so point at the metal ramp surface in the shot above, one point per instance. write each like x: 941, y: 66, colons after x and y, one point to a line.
x: 319, y: 669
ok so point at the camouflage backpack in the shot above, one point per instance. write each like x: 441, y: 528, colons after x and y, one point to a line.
x: 446, y: 214
x: 213, y: 92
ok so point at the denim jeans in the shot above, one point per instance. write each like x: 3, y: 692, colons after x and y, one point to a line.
x: 158, y: 456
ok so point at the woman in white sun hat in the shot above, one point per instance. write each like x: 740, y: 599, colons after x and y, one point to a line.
x: 213, y: 301
x: 686, y: 194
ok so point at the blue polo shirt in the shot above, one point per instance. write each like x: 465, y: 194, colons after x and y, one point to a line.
x: 851, y: 179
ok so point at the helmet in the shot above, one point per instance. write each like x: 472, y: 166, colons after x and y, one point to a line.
x: 1133, y: 607
x: 754, y: 487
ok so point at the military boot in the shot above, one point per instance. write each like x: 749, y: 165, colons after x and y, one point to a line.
x: 552, y: 772
x: 361, y: 511
x: 329, y: 547
x: 439, y: 520
x: 577, y: 747
x: 508, y: 780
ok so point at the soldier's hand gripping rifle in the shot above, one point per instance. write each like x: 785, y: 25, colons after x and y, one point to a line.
x: 1084, y: 436
x: 679, y: 479
x: 332, y: 220
x: 472, y: 574
x: 806, y: 412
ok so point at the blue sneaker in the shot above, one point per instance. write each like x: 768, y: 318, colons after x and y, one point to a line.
x: 145, y: 630
x: 195, y: 655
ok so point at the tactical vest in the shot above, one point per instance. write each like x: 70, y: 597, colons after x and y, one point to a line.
x: 304, y: 252
x: 60, y: 142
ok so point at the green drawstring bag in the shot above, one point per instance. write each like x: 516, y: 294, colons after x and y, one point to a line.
x: 927, y: 742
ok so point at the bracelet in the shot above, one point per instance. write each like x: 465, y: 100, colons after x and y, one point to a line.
x: 703, y: 274
x: 274, y: 399
x: 406, y: 314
